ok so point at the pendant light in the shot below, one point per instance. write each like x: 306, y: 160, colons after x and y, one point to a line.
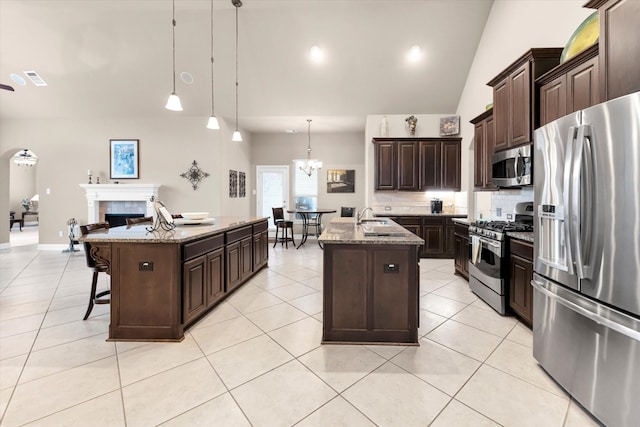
x: 312, y: 164
x: 173, y: 103
x: 213, y: 120
x: 236, y: 133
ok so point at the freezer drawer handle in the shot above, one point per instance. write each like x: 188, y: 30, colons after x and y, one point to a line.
x: 632, y: 333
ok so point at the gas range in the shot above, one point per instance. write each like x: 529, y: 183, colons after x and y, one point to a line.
x: 496, y: 229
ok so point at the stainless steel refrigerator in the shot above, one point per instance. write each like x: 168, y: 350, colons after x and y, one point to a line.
x: 586, y: 322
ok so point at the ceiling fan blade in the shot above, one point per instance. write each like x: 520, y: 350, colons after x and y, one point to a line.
x: 6, y: 87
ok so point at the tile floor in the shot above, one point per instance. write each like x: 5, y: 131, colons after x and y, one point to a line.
x: 256, y: 360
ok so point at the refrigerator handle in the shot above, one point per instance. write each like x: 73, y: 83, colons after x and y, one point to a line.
x: 582, y: 168
x: 567, y: 198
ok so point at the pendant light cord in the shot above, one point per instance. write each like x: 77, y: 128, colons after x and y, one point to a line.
x: 309, y: 145
x: 236, y: 67
x: 173, y: 21
x: 212, y: 98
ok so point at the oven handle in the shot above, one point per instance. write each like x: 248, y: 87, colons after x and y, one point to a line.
x: 496, y: 246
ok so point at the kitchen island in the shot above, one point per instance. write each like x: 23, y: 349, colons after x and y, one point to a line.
x: 371, y: 282
x: 164, y: 281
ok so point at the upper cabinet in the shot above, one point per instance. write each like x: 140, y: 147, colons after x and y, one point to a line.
x: 619, y: 47
x: 483, y: 151
x: 515, y: 112
x: 571, y: 86
x: 417, y: 164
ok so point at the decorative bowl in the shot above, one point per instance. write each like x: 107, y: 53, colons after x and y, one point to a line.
x: 584, y: 36
x: 194, y: 215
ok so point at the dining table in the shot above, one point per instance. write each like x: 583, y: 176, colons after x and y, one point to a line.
x: 311, y: 218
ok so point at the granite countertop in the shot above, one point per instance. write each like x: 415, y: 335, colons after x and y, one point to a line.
x: 464, y: 221
x: 527, y: 236
x: 416, y: 213
x: 181, y: 234
x: 345, y: 231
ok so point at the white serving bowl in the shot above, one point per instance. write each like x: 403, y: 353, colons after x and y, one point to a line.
x: 195, y: 215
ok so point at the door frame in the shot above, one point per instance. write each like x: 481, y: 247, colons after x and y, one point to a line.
x: 260, y: 169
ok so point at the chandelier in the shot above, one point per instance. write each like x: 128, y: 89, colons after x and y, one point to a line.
x: 25, y: 158
x: 311, y: 164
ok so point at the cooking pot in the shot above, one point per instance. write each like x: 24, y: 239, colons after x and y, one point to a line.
x: 436, y: 206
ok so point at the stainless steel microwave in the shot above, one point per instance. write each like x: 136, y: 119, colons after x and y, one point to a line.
x: 513, y: 167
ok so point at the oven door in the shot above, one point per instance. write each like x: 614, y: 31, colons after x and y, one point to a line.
x: 489, y: 263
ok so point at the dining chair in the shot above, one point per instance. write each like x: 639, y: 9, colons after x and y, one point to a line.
x: 282, y: 224
x: 95, y: 266
x: 347, y: 211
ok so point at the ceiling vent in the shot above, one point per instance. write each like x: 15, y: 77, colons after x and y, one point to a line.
x: 35, y: 78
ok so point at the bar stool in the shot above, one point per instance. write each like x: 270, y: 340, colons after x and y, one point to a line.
x: 96, y: 267
x: 285, y: 226
x: 139, y: 220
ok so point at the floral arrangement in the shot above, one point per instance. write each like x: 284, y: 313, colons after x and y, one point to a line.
x: 27, y: 204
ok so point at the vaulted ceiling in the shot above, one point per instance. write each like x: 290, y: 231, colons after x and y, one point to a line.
x: 113, y: 58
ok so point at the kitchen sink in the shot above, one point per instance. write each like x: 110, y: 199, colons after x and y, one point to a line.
x: 380, y: 229
x: 374, y: 221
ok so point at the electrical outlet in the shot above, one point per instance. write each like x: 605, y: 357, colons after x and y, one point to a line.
x: 60, y: 233
x: 509, y: 216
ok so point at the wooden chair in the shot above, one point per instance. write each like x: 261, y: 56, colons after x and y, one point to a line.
x: 284, y: 225
x: 96, y: 267
x: 139, y: 220
x: 347, y: 212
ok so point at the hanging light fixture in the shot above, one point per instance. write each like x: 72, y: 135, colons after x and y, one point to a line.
x: 25, y: 158
x: 311, y: 164
x: 213, y: 120
x: 173, y: 103
x: 236, y: 133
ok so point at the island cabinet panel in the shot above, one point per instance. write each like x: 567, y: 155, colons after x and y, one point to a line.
x: 348, y: 308
x: 371, y: 293
x: 215, y: 277
x: 234, y: 265
x: 146, y: 292
x: 260, y: 245
x: 239, y: 258
x: 195, y: 286
x: 246, y: 255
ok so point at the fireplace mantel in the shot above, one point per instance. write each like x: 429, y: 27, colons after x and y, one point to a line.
x: 118, y: 192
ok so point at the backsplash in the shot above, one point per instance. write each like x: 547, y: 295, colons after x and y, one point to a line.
x: 503, y: 202
x: 418, y: 202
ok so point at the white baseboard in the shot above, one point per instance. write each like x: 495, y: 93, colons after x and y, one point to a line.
x: 5, y: 245
x: 57, y: 247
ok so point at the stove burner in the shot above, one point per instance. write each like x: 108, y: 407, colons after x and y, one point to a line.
x: 503, y: 226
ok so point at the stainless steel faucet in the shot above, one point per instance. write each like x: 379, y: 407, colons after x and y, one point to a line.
x: 360, y: 214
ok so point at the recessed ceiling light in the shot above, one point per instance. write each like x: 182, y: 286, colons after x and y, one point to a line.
x: 18, y: 79
x: 415, y: 53
x: 186, y: 77
x: 316, y: 54
x: 290, y: 131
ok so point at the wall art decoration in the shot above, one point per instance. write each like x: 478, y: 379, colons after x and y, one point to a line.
x: 194, y: 174
x: 124, y: 159
x: 233, y: 183
x: 341, y: 181
x: 242, y: 190
x: 449, y: 125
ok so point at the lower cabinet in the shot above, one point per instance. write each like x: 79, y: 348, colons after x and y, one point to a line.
x: 521, y: 274
x: 461, y: 255
x: 437, y: 233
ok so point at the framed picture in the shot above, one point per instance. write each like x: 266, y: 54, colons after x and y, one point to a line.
x: 233, y: 183
x: 341, y: 181
x: 124, y: 159
x: 450, y: 125
x: 242, y: 190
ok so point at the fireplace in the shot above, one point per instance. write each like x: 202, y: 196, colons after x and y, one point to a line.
x: 118, y: 219
x: 119, y: 199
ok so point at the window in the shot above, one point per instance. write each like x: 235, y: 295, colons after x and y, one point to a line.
x: 305, y: 188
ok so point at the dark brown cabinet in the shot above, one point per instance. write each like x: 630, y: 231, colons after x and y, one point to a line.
x: 619, y: 47
x: 202, y: 276
x: 418, y: 164
x: 515, y: 111
x: 386, y: 165
x: 570, y: 87
x: 436, y: 231
x: 521, y: 274
x: 483, y: 151
x: 260, y: 245
x: 461, y: 249
x: 370, y: 293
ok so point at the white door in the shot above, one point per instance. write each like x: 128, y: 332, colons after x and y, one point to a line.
x: 273, y: 190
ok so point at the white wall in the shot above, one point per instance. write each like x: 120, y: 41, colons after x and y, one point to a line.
x: 335, y: 150
x: 513, y: 27
x: 168, y: 145
x: 23, y: 185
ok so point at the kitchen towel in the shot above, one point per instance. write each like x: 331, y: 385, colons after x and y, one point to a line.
x: 475, y: 249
